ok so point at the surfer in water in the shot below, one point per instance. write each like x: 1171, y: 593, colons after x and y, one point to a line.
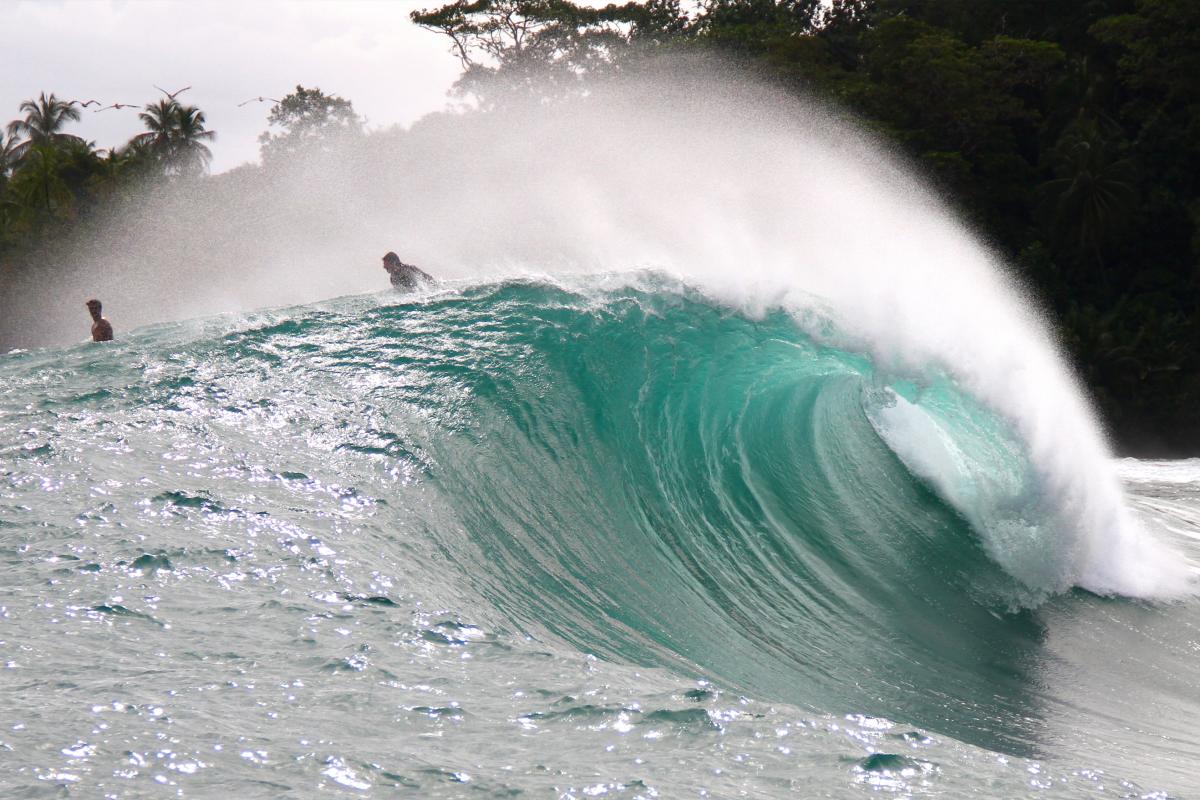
x: 404, y: 276
x: 101, y: 328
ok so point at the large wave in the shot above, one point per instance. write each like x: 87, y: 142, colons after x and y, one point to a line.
x: 655, y: 477
x: 624, y: 464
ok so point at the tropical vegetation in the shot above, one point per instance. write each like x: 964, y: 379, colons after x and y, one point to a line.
x: 1067, y: 132
x: 50, y: 178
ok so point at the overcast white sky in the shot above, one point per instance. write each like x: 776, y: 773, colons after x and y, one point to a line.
x: 115, y: 50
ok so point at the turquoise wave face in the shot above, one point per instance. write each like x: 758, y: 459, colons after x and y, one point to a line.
x: 640, y: 473
x: 656, y: 479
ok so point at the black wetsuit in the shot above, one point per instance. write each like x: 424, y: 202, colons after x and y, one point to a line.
x: 406, y: 277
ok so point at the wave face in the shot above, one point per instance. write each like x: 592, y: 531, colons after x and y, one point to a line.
x: 654, y: 478
x: 618, y: 467
x: 532, y: 473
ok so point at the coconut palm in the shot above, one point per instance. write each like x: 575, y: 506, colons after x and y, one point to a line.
x: 114, y: 168
x: 43, y: 123
x: 192, y: 156
x: 160, y: 120
x: 175, y: 135
x: 1091, y: 200
x: 8, y: 159
x: 8, y: 156
x: 39, y: 185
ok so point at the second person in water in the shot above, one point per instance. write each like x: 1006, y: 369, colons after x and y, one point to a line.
x: 404, y: 276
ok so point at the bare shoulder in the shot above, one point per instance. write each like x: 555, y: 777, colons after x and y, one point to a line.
x: 102, y: 331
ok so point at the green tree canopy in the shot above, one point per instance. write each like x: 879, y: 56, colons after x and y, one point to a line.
x: 543, y: 47
x: 308, y: 121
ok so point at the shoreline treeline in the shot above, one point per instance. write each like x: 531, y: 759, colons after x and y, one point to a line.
x: 77, y: 219
x: 50, y: 177
x: 52, y: 180
x: 1065, y: 132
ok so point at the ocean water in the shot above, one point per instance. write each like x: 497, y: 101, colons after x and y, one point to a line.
x: 600, y: 538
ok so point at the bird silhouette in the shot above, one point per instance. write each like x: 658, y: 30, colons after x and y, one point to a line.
x: 259, y: 100
x: 117, y: 106
x: 171, y: 95
x: 85, y: 103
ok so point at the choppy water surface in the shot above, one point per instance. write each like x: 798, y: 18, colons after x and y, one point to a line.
x: 520, y: 539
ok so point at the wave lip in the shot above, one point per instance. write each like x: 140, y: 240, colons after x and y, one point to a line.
x: 1049, y: 538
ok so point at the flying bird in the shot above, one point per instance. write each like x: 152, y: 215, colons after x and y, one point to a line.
x: 258, y: 99
x: 85, y: 103
x: 117, y: 106
x: 171, y: 95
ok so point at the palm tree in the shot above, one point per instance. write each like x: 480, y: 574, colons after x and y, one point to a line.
x: 1090, y: 202
x: 191, y: 154
x: 175, y: 135
x: 8, y: 156
x: 160, y: 120
x: 39, y: 183
x: 43, y: 123
x: 115, y: 164
x: 8, y: 160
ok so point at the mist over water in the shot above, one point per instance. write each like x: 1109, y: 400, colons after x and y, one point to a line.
x: 714, y: 387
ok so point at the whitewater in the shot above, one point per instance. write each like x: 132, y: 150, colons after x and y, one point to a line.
x: 744, y: 480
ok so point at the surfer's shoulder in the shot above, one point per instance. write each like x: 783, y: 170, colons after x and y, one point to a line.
x: 102, y: 330
x: 405, y: 276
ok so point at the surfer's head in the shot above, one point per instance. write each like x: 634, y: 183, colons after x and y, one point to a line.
x: 93, y: 306
x: 390, y: 259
